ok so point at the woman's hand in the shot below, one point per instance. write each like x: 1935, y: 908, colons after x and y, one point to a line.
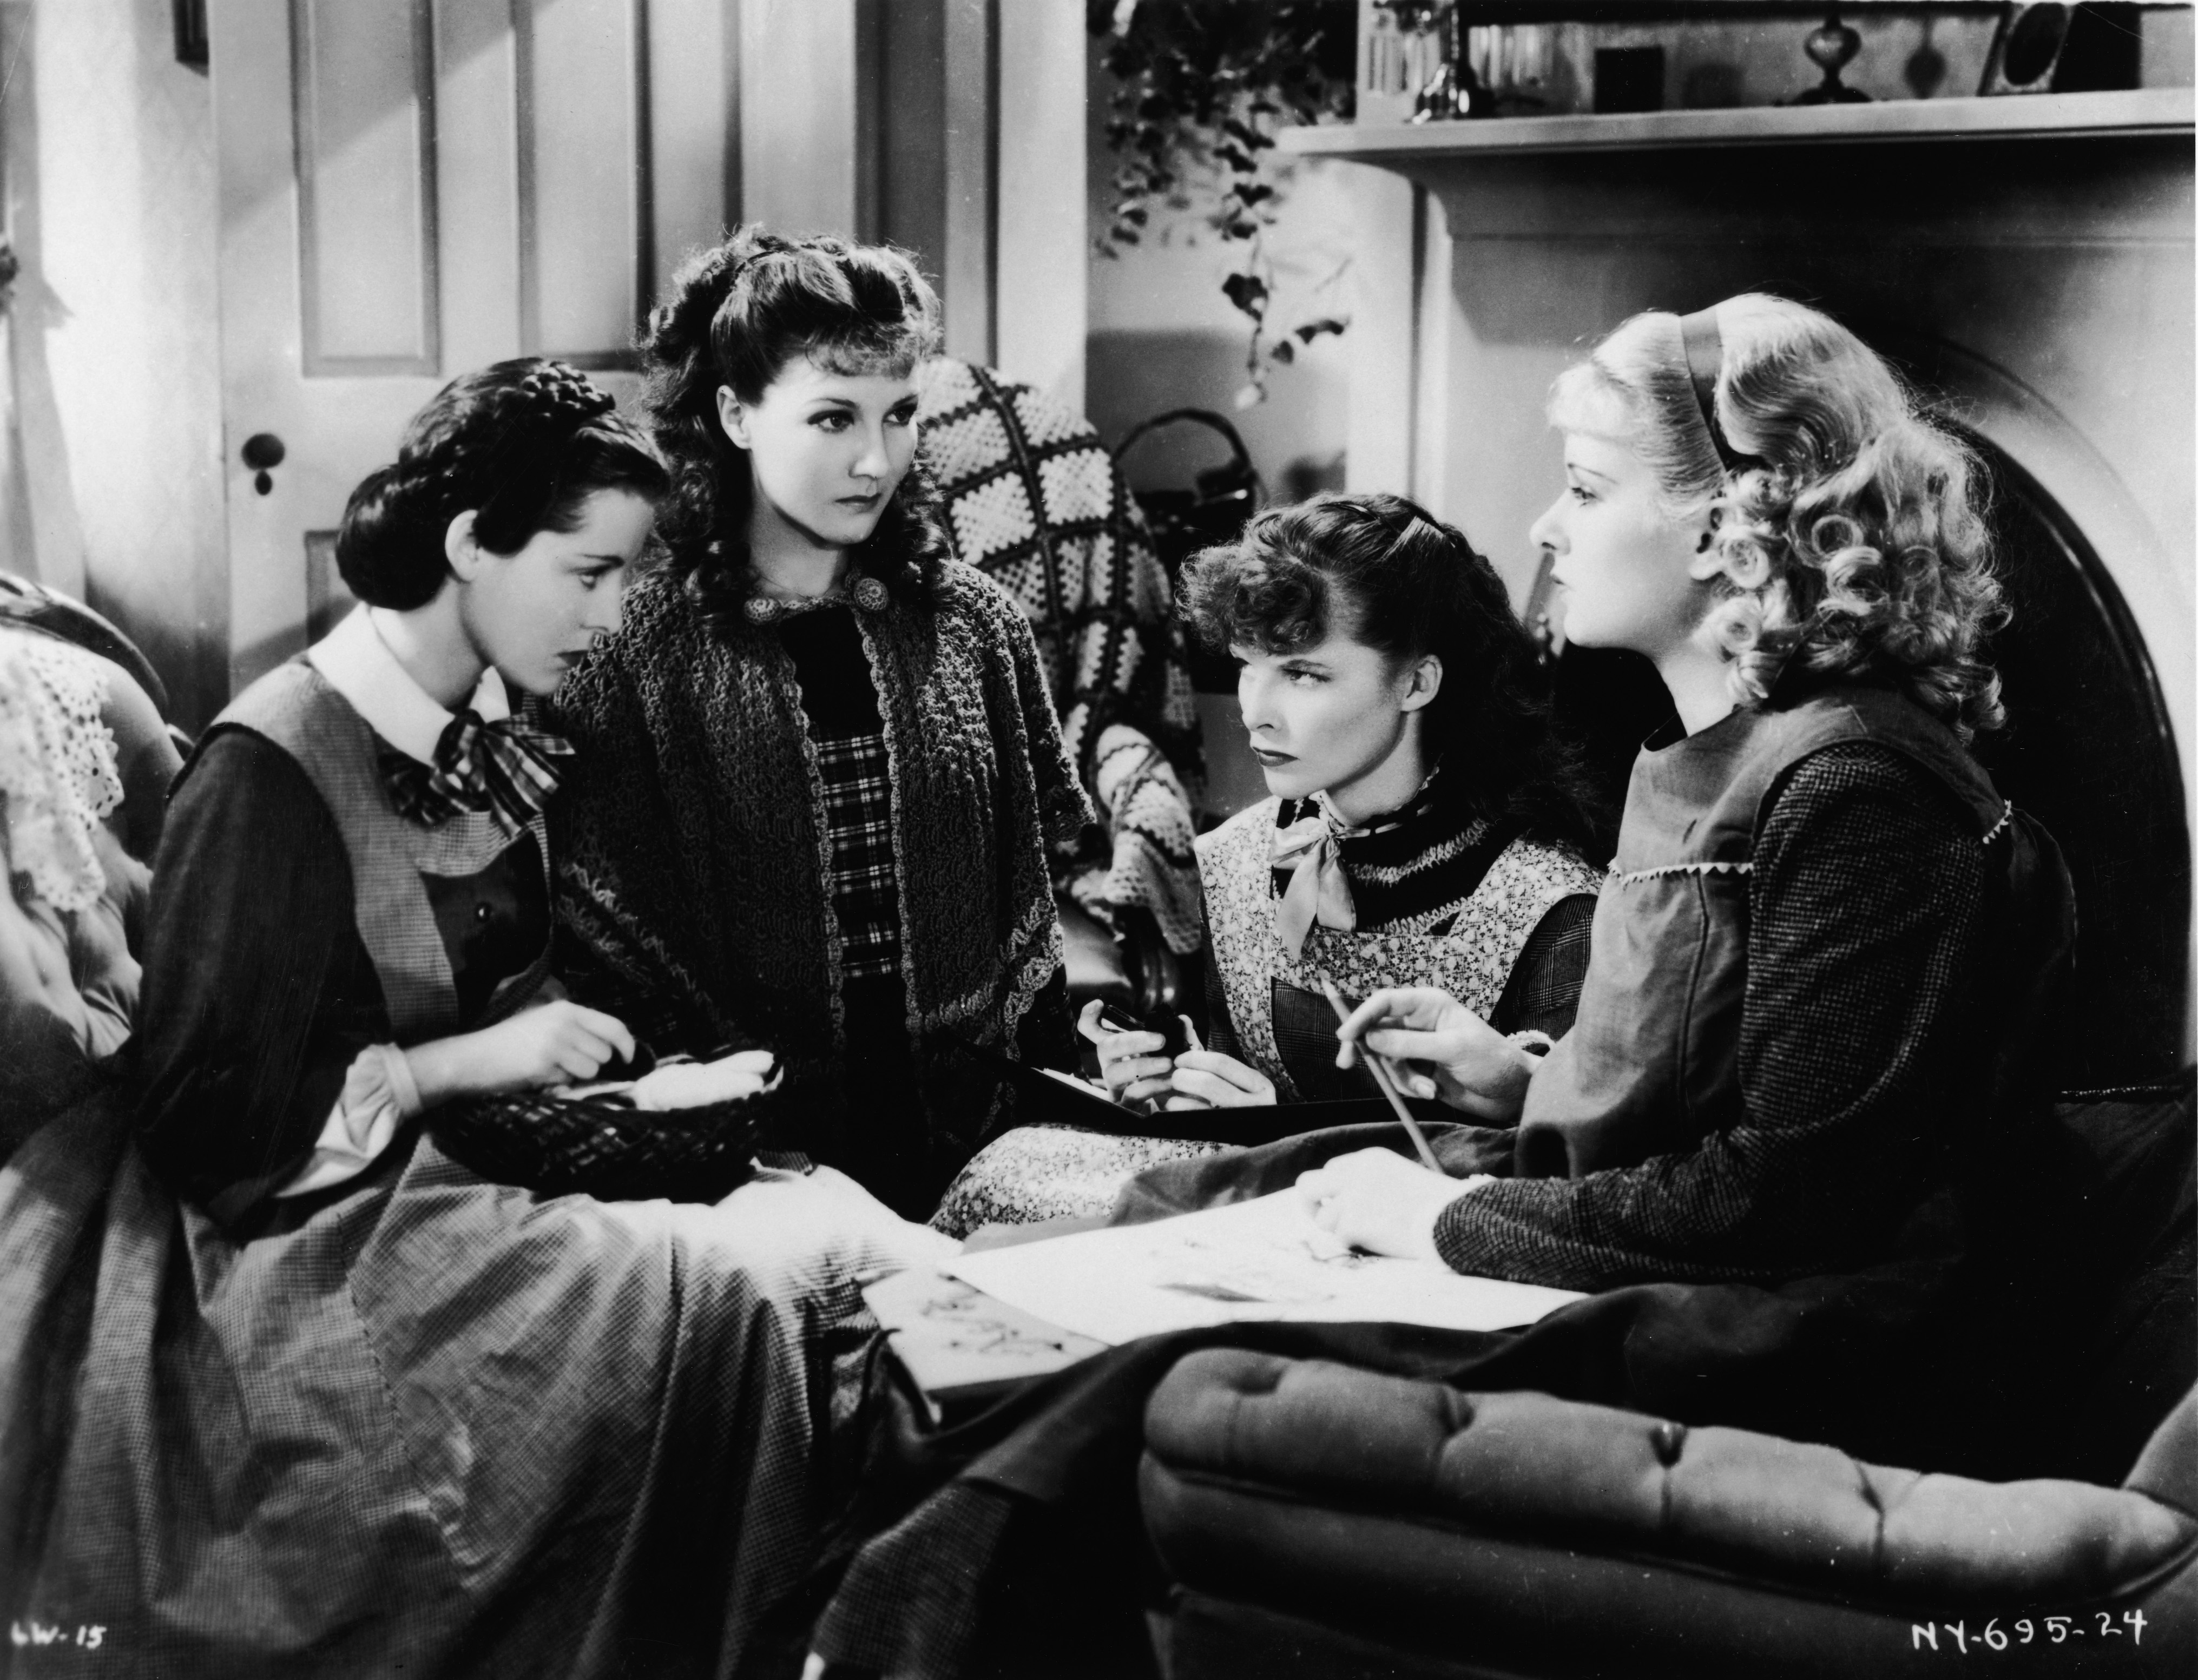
x: 1132, y: 1063
x: 1475, y: 1069
x: 554, y: 1044
x: 1209, y: 1079
x: 1376, y: 1200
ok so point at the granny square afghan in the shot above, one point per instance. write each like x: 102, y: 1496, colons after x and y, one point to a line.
x: 1034, y: 501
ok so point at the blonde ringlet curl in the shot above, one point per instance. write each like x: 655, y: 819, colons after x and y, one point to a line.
x: 1856, y: 543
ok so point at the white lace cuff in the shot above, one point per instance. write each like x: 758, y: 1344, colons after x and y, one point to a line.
x: 379, y: 1095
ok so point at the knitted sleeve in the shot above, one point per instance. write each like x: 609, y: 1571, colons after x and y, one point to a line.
x: 1064, y: 805
x: 618, y: 885
x: 1863, y: 912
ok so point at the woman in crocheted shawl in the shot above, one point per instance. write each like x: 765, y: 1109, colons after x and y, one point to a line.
x: 1425, y: 825
x: 820, y: 768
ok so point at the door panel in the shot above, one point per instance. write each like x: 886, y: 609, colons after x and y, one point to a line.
x: 363, y: 96
x: 584, y: 248
x: 477, y: 180
x: 409, y: 188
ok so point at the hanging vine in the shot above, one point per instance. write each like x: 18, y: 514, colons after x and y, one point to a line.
x: 1202, y: 87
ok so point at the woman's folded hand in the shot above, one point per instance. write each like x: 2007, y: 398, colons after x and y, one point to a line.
x: 1376, y: 1200
x: 1135, y: 1065
x: 1209, y: 1079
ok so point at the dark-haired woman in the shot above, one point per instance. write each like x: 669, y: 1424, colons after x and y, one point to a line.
x: 821, y: 765
x: 1424, y: 827
x: 339, y: 1405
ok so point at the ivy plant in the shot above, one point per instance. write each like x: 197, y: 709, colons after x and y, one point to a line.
x: 1201, y: 85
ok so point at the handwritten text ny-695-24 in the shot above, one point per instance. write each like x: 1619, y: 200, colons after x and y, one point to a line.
x: 1962, y: 1638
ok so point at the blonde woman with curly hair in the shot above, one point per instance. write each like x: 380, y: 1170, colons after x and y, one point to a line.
x: 1822, y: 952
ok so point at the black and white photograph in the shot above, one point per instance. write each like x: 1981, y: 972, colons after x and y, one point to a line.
x: 1098, y: 839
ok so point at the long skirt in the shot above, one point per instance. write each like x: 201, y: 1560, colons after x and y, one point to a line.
x: 438, y: 1427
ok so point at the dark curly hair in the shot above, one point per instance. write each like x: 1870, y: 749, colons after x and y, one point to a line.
x: 738, y: 315
x: 522, y: 444
x: 1389, y: 573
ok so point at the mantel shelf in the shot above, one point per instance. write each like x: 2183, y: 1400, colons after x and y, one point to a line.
x: 2165, y: 110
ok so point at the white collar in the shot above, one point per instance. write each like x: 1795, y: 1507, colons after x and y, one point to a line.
x: 358, y: 666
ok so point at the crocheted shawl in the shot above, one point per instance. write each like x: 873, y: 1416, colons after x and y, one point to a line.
x: 1033, y: 499
x: 58, y: 780
x: 693, y: 846
x: 1421, y: 923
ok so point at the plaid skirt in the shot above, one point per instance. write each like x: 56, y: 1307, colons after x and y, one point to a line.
x: 433, y: 1426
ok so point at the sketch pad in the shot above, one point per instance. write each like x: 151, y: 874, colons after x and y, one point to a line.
x: 1263, y: 1259
x: 959, y: 1345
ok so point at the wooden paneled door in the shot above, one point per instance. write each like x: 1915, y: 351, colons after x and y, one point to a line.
x: 411, y: 189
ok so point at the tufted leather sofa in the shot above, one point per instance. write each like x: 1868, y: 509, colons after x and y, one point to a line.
x: 1315, y: 1519
x: 1323, y: 1520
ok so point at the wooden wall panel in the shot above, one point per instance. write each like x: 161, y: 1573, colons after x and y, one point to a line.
x: 806, y: 156
x: 971, y: 169
x: 477, y: 162
x: 363, y: 109
x: 694, y: 117
x: 585, y: 243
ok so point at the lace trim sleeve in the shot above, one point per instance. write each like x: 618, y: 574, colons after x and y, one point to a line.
x: 58, y: 777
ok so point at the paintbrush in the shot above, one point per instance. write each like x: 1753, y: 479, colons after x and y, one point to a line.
x: 1385, y: 1079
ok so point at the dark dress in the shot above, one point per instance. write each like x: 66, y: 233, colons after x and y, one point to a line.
x: 415, y: 1422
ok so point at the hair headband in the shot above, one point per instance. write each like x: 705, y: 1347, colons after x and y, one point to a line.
x: 749, y: 262
x: 783, y: 248
x: 1704, y: 348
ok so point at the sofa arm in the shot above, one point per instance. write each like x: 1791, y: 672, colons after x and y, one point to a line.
x: 1529, y: 1466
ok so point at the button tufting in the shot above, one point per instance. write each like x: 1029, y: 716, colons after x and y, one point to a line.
x: 1668, y: 1441
x: 1264, y: 1379
x: 1458, y: 1412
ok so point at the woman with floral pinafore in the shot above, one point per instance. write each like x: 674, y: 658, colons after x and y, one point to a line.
x: 1424, y: 827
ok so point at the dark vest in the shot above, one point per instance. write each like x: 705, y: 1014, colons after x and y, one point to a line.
x: 1652, y: 1066
x: 296, y: 708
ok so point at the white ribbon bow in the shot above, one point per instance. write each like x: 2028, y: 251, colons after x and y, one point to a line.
x: 1312, y: 849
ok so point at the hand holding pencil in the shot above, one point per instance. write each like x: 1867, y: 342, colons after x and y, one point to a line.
x: 1388, y: 1078
x: 1373, y: 1198
x: 1471, y: 1067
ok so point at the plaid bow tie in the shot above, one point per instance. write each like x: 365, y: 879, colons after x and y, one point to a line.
x: 508, y: 768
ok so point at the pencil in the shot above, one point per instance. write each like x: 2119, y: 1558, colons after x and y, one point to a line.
x: 1380, y: 1070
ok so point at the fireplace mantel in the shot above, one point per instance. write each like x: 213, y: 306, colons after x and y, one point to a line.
x: 2154, y: 110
